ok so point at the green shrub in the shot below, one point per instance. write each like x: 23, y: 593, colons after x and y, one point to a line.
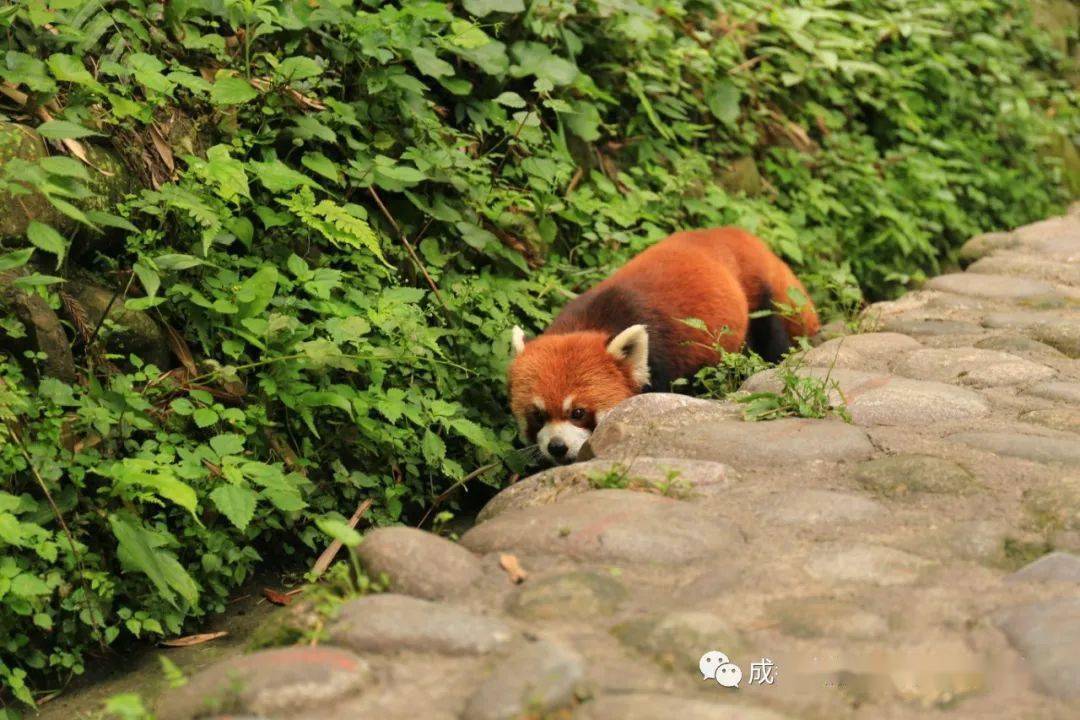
x: 347, y: 204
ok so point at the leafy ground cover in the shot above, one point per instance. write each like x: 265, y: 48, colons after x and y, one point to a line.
x: 260, y: 257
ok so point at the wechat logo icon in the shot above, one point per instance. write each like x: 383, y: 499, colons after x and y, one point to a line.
x: 714, y: 665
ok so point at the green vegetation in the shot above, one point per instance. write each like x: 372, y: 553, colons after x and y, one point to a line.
x: 276, y: 245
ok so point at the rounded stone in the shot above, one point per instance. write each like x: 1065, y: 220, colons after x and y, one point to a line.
x: 982, y: 245
x: 870, y: 351
x: 418, y: 563
x: 390, y: 623
x: 1058, y: 237
x: 713, y: 431
x: 877, y: 399
x: 278, y: 682
x: 1056, y: 505
x: 1018, y: 344
x: 1057, y: 390
x: 1063, y: 335
x: 1002, y: 287
x: 534, y: 680
x: 1037, y: 448
x: 875, y: 564
x: 609, y: 526
x: 1053, y: 567
x: 648, y: 706
x: 674, y: 477
x: 1066, y: 419
x: 677, y: 640
x: 813, y: 507
x: 899, y: 475
x: 824, y: 617
x: 971, y: 366
x: 933, y: 327
x: 568, y: 595
x: 1024, y: 265
x: 1047, y: 634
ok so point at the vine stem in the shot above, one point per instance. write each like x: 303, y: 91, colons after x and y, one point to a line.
x: 408, y: 246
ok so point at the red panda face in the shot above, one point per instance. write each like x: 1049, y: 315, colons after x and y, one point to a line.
x: 561, y: 386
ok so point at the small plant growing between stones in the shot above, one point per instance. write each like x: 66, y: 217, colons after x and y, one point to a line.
x: 618, y: 477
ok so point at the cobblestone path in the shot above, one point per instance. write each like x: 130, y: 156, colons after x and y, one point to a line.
x: 922, y: 561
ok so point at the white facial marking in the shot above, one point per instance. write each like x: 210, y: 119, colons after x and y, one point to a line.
x: 567, y: 433
x: 568, y: 403
x: 539, y: 403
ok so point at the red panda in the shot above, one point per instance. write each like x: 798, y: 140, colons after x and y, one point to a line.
x: 626, y: 335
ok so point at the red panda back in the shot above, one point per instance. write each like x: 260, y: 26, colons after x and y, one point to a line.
x: 718, y: 276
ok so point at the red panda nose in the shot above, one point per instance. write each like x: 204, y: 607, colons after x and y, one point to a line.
x: 557, y: 448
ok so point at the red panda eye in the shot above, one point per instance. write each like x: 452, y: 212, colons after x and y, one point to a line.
x: 577, y: 414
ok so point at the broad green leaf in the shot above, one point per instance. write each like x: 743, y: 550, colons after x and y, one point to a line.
x: 69, y: 68
x: 433, y: 447
x: 232, y: 90
x: 177, y: 261
x: 430, y: 64
x: 15, y: 258
x: 205, y: 417
x: 278, y: 177
x: 723, y: 102
x: 63, y: 130
x: 482, y: 8
x: 227, y: 172
x: 149, y: 278
x: 340, y: 531
x: 298, y: 68
x: 65, y: 166
x: 141, y: 551
x: 227, y: 444
x: 257, y: 291
x: 236, y: 503
x: 44, y: 237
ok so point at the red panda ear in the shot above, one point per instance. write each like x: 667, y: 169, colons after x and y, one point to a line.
x: 631, y: 346
x: 517, y: 340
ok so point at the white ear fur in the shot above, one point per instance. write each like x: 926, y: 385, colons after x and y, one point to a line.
x: 517, y: 340
x: 632, y: 346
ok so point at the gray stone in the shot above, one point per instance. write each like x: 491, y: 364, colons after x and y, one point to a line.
x: 813, y: 507
x: 813, y: 617
x: 1052, y: 567
x: 898, y: 475
x: 535, y: 679
x: 971, y: 366
x: 1062, y: 335
x: 649, y: 706
x: 709, y: 431
x: 1020, y: 320
x: 677, y: 640
x: 568, y: 595
x: 1057, y: 237
x: 875, y: 564
x: 930, y: 326
x: 1001, y: 287
x: 609, y: 526
x: 872, y: 351
x: 1056, y: 505
x: 1029, y: 447
x: 1066, y: 419
x: 1047, y: 634
x: 982, y: 245
x: 1017, y: 344
x: 418, y: 563
x: 389, y: 623
x: 980, y: 540
x: 1029, y: 266
x: 877, y: 399
x: 675, y: 477
x: 278, y: 682
x: 1057, y: 390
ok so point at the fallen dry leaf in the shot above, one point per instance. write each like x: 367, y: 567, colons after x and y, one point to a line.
x: 513, y: 568
x: 190, y: 640
x: 277, y: 597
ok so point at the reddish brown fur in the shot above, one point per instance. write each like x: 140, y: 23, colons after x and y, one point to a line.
x: 716, y: 276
